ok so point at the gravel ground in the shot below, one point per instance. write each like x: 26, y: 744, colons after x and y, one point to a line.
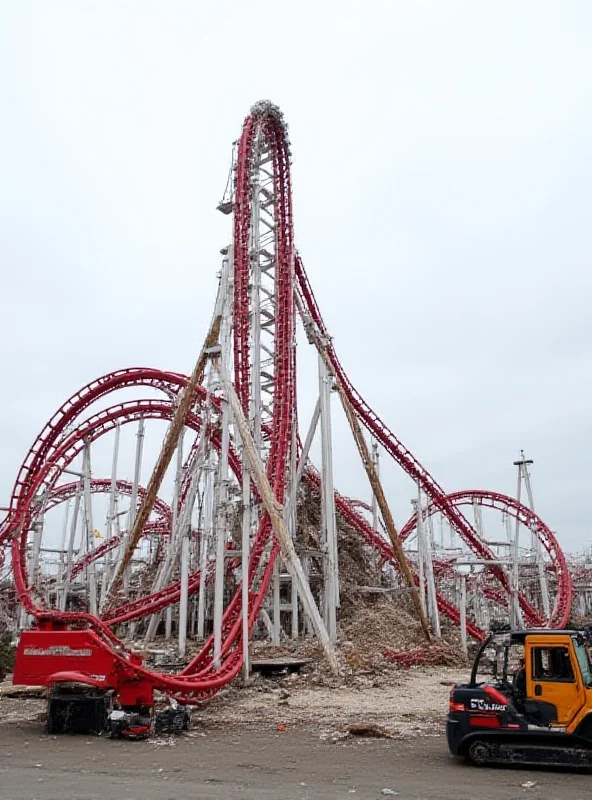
x: 282, y: 738
x: 411, y: 702
x: 257, y: 763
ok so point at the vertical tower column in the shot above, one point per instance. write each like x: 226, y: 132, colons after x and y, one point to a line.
x: 328, y: 506
x: 111, y: 524
x: 537, y: 549
x: 90, y: 534
x: 374, y: 500
x: 427, y: 534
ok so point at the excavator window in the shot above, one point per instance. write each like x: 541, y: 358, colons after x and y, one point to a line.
x: 584, y: 662
x: 552, y: 664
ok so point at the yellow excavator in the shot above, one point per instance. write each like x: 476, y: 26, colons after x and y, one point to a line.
x: 528, y: 701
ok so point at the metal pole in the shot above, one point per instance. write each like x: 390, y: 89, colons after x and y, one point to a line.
x: 420, y: 555
x: 92, y: 584
x: 36, y: 550
x: 294, y: 604
x: 64, y: 535
x: 184, y: 591
x: 204, y: 546
x: 374, y: 501
x: 463, y: 614
x: 134, y: 497
x: 536, y: 544
x: 73, y: 524
x: 176, y: 534
x: 478, y: 517
x: 516, y: 616
x: 431, y: 582
x: 292, y: 520
x: 110, y: 518
x: 331, y: 595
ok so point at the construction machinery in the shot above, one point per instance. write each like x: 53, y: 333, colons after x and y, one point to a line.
x: 528, y: 701
x: 92, y: 688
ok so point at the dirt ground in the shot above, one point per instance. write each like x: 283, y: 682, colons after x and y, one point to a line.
x: 284, y: 738
x: 257, y: 763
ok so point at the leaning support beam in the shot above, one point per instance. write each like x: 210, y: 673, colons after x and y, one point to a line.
x: 274, y: 509
x: 383, y: 506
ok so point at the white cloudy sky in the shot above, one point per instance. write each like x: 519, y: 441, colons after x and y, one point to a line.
x: 442, y: 175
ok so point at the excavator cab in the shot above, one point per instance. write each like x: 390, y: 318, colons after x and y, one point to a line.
x: 529, y: 700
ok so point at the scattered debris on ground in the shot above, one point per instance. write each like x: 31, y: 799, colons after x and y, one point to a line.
x: 368, y: 730
x: 434, y: 655
x: 7, y: 689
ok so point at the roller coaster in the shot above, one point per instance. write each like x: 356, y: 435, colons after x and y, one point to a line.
x: 245, y: 562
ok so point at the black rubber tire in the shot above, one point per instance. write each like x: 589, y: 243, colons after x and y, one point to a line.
x: 479, y: 752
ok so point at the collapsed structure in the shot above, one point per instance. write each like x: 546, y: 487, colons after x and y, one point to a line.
x: 253, y: 541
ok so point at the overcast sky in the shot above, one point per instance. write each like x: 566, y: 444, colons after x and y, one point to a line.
x: 441, y: 173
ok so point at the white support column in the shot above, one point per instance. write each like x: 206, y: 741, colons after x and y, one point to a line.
x: 294, y: 604
x: 292, y: 522
x: 205, y: 540
x: 463, y: 613
x: 377, y: 470
x: 331, y: 596
x: 70, y: 554
x: 478, y: 517
x: 33, y: 567
x: 515, y: 616
x: 429, y: 569
x: 111, y: 522
x: 63, y: 541
x: 90, y: 535
x: 133, y: 509
x: 184, y: 591
x: 420, y: 555
x: 134, y: 496
x: 176, y: 534
x: 219, y: 593
x: 536, y: 543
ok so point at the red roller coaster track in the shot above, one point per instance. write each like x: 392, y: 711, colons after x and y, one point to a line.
x: 64, y: 437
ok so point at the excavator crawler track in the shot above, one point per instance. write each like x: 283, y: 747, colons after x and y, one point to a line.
x: 484, y: 752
